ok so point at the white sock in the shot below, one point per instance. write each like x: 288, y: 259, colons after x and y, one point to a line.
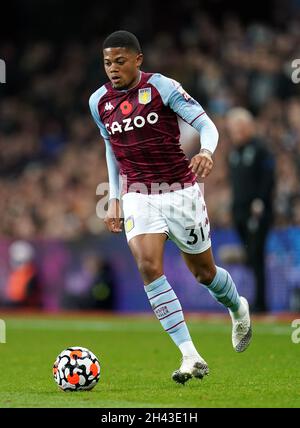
x: 188, y: 349
x: 167, y: 309
x: 240, y: 312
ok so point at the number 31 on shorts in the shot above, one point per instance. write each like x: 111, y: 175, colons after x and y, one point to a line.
x: 193, y: 236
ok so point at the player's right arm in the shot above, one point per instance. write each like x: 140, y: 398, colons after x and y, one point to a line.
x: 113, y: 216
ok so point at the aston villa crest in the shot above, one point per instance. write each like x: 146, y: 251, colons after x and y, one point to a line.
x: 144, y: 95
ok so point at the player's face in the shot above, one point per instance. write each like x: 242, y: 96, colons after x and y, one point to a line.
x: 122, y: 67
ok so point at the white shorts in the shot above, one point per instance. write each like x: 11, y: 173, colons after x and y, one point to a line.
x: 181, y: 215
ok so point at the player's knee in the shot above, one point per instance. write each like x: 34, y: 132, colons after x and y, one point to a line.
x: 150, y: 270
x: 205, y: 275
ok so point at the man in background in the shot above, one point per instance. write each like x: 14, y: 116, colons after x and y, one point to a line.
x: 22, y: 289
x: 251, y: 168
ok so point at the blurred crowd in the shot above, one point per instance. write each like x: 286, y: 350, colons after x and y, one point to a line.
x: 51, y: 154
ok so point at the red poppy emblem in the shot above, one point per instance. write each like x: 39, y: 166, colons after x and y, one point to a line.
x: 126, y: 107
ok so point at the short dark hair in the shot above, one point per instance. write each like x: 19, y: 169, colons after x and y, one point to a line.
x: 122, y: 39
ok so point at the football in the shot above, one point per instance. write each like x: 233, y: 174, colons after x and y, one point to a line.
x: 76, y: 369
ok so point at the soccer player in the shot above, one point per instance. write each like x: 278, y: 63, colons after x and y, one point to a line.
x: 136, y: 113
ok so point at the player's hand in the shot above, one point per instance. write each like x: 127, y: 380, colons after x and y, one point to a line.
x: 113, y: 219
x: 202, y: 163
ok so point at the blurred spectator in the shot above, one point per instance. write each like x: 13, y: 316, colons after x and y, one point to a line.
x: 251, y: 169
x: 23, y: 288
x: 90, y: 285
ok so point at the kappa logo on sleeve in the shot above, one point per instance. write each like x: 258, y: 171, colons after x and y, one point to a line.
x: 182, y: 92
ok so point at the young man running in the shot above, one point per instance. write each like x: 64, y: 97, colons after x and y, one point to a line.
x: 136, y: 113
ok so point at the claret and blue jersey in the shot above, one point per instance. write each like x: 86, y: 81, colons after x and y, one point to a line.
x: 142, y: 128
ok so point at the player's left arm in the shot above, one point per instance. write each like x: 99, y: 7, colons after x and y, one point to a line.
x: 202, y: 163
x: 191, y: 112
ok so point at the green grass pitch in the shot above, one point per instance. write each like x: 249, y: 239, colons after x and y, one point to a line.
x: 137, y: 359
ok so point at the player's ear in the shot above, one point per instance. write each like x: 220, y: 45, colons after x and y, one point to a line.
x: 139, y: 59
